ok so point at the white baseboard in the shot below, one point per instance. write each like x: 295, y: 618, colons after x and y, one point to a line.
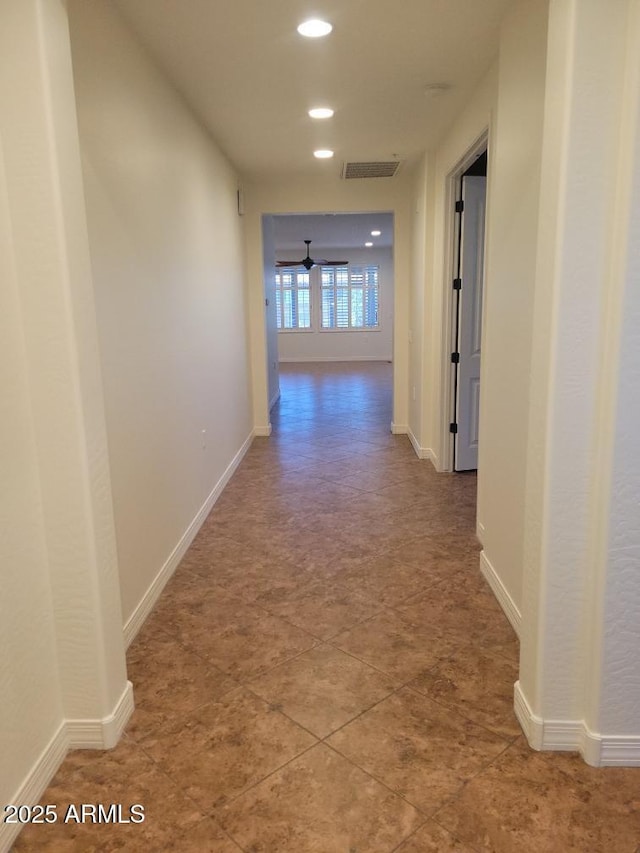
x: 36, y: 782
x: 104, y: 733
x: 145, y: 606
x: 598, y: 750
x: 619, y: 751
x: 274, y: 399
x: 421, y: 452
x: 311, y: 360
x: 262, y: 431
x: 399, y: 429
x: 71, y: 734
x: 500, y: 591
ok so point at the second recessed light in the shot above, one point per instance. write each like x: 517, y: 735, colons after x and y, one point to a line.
x: 315, y: 28
x: 323, y: 153
x: 321, y: 112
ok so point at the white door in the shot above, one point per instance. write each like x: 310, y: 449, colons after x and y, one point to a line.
x: 474, y: 191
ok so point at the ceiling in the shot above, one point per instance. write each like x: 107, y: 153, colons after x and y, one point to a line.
x: 331, y: 231
x: 251, y: 78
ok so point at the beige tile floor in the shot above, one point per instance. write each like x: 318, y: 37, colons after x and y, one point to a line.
x: 327, y: 671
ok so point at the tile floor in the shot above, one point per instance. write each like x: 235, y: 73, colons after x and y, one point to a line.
x: 327, y: 670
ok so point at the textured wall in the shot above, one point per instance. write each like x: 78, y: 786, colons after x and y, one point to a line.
x: 31, y: 706
x: 421, y: 207
x: 581, y: 592
x: 63, y: 653
x: 167, y: 257
x: 271, y: 323
x: 514, y: 183
x: 617, y: 706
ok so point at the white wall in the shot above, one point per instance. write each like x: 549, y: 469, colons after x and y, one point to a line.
x: 620, y: 387
x: 508, y: 105
x: 421, y: 244
x: 271, y: 320
x: 62, y: 676
x: 31, y: 709
x: 322, y: 345
x: 559, y: 478
x: 330, y: 194
x: 167, y: 256
x: 579, y: 670
x: 433, y: 242
x: 514, y: 186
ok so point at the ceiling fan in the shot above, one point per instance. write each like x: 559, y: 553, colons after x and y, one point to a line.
x: 309, y: 262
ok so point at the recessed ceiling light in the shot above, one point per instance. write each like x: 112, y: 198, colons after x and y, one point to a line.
x: 321, y: 112
x: 435, y: 90
x: 368, y: 244
x: 314, y: 28
x: 376, y: 233
x: 323, y: 153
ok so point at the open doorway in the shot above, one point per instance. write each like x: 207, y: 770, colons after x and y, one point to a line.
x: 468, y: 193
x: 329, y: 289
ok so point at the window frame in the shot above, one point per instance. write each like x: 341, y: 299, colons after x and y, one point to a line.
x: 350, y: 268
x: 316, y: 289
x: 296, y: 270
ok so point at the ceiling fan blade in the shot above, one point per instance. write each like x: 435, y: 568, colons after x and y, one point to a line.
x: 308, y: 262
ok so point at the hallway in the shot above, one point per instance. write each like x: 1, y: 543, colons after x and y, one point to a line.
x: 328, y: 672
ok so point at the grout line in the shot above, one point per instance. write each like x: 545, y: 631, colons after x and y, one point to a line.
x: 412, y: 835
x: 459, y: 840
x: 473, y: 776
x: 391, y: 693
x: 371, y: 775
x: 213, y: 811
x: 372, y: 459
x: 271, y: 773
x: 209, y: 816
x: 508, y: 740
x: 276, y: 707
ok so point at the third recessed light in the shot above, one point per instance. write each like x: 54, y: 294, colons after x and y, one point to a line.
x: 321, y: 112
x: 315, y: 28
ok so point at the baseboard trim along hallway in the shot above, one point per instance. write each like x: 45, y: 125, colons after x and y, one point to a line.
x: 153, y: 593
x: 598, y: 750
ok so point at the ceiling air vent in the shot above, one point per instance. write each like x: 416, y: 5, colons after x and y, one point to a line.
x: 375, y: 169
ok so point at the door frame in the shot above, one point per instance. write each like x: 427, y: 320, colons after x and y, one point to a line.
x: 399, y: 316
x: 451, y: 234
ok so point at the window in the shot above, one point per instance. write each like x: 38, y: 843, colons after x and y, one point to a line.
x: 293, y: 298
x: 327, y: 298
x: 350, y: 297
